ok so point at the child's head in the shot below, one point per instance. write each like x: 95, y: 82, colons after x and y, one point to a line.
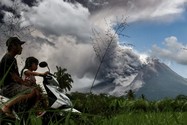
x: 31, y: 63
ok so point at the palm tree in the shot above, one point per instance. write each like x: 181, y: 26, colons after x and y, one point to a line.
x: 63, y: 78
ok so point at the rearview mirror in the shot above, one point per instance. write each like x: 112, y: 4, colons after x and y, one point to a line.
x: 43, y: 64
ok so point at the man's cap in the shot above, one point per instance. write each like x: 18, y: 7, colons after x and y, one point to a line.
x: 14, y: 41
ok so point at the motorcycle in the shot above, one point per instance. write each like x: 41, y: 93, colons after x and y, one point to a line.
x: 58, y: 103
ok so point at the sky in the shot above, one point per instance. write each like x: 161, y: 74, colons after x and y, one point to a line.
x: 153, y: 38
x: 61, y: 32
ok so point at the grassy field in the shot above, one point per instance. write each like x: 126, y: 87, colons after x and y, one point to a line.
x: 151, y: 118
x: 108, y: 110
x: 131, y: 118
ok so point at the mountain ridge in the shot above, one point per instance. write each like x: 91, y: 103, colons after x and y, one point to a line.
x: 154, y: 80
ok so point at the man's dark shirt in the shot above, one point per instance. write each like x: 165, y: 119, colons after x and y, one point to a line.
x: 8, y: 62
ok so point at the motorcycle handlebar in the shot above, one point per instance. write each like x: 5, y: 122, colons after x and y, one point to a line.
x: 51, y: 74
x: 47, y: 74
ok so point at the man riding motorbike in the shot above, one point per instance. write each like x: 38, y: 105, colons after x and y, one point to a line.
x: 12, y: 86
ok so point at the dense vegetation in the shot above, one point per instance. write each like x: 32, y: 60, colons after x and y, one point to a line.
x: 109, y: 110
x: 104, y: 109
x: 109, y: 105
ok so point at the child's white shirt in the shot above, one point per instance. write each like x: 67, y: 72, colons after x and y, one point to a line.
x: 29, y: 78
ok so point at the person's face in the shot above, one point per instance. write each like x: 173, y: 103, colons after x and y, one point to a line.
x: 18, y: 49
x: 34, y: 66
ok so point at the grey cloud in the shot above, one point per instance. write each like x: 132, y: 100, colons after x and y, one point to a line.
x: 124, y: 63
x: 60, y: 18
x: 30, y: 3
x: 12, y: 6
x: 7, y: 3
x: 163, y: 10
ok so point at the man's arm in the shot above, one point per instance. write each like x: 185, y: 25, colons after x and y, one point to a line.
x: 17, y: 79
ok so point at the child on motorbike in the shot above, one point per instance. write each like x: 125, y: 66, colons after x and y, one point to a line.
x: 28, y: 74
